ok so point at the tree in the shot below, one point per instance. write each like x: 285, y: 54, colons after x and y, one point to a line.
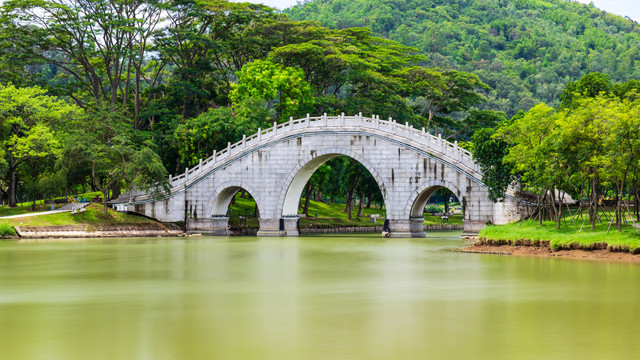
x: 198, y: 137
x: 99, y: 44
x: 590, y: 85
x: 29, y: 118
x: 104, y: 140
x: 442, y: 91
x: 206, y: 42
x: 489, y: 152
x: 280, y: 88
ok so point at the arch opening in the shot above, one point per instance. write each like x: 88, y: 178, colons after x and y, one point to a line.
x: 239, y: 206
x: 438, y: 201
x: 334, y: 185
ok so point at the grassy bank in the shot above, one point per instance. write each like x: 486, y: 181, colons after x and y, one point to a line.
x: 565, y: 238
x: 93, y: 216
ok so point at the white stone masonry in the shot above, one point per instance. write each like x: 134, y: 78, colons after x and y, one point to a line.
x: 275, y: 164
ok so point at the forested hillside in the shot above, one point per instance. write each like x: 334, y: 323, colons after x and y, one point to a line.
x: 526, y: 50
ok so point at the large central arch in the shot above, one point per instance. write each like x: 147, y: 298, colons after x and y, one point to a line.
x: 302, y: 172
x: 298, y: 177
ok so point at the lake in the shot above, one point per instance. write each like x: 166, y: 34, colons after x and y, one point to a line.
x: 314, y: 297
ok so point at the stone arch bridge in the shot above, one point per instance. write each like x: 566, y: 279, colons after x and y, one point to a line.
x: 275, y: 164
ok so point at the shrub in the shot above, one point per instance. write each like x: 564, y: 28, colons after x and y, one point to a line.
x: 433, y: 209
x: 7, y: 230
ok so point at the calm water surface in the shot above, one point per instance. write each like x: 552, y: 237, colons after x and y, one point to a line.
x: 329, y: 297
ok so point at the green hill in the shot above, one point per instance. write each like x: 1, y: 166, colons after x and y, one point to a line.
x: 526, y: 50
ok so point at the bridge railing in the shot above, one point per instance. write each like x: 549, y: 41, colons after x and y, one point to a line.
x: 451, y: 150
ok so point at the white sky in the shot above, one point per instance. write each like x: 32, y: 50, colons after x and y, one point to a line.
x: 630, y: 8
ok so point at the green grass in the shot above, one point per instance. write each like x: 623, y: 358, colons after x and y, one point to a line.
x: 25, y: 207
x: 94, y: 215
x: 567, y: 237
x: 329, y: 215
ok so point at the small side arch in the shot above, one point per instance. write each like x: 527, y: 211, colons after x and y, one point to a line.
x: 297, y: 178
x: 222, y: 195
x: 419, y: 198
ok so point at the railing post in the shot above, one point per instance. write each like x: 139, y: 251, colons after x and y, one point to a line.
x: 423, y: 130
x: 275, y: 128
x: 259, y: 134
x: 342, y: 120
x: 186, y: 175
x: 244, y: 140
x: 377, y: 123
x: 228, y: 149
x: 170, y: 178
x: 215, y: 154
x: 291, y: 121
x: 200, y: 165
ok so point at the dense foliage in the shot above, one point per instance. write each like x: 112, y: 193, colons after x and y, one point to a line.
x: 525, y: 50
x: 589, y: 149
x: 152, y: 86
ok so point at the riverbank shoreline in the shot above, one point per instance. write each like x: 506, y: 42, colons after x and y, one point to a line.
x: 95, y: 231
x: 542, y: 249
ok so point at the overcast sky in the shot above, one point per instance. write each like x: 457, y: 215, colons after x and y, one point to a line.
x: 630, y: 8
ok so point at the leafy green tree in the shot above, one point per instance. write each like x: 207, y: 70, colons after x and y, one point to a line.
x: 28, y: 119
x: 590, y: 85
x: 442, y: 92
x: 198, y: 137
x: 104, y: 140
x: 490, y: 152
x: 99, y: 45
x: 280, y: 88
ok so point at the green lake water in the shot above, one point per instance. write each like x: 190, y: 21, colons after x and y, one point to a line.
x: 325, y: 297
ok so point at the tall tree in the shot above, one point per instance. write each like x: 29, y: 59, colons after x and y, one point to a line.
x: 29, y: 118
x: 99, y: 44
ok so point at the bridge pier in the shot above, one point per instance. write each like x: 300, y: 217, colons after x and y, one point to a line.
x: 216, y: 226
x: 472, y: 227
x: 271, y: 228
x: 411, y: 228
x: 291, y: 226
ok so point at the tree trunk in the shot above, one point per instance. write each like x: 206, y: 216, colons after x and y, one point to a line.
x: 12, y: 181
x: 105, y: 199
x: 594, y: 204
x: 318, y: 196
x: 115, y: 190
x: 446, y: 203
x: 307, y: 198
x: 559, y: 213
x: 361, y: 205
x: 349, y: 204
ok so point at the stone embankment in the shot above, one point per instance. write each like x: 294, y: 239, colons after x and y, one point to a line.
x: 84, y: 231
x: 349, y: 229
